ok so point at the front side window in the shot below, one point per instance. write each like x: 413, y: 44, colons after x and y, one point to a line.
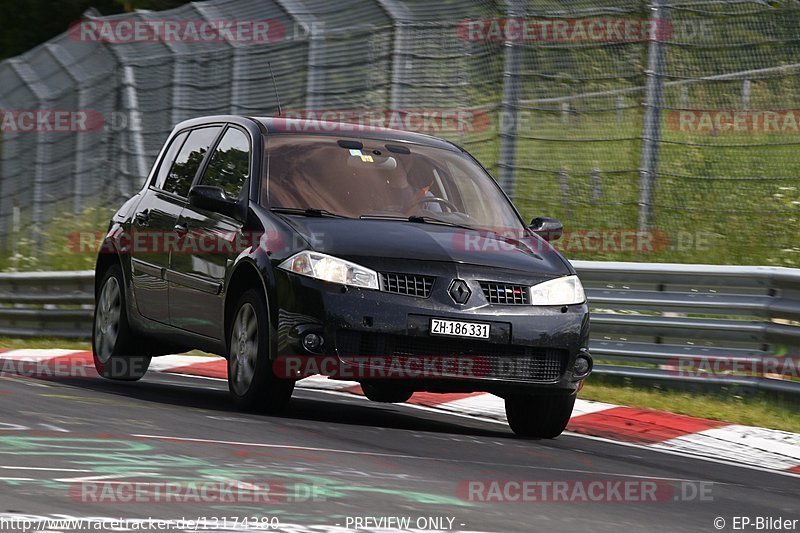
x: 229, y: 166
x: 367, y: 177
x: 187, y: 163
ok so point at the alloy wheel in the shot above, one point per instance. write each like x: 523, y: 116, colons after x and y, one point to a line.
x: 244, y: 349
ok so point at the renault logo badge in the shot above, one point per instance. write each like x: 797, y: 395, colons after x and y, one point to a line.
x: 459, y: 291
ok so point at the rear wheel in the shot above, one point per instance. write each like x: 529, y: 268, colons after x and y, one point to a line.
x: 539, y: 416
x: 385, y: 393
x: 251, y: 380
x: 111, y: 335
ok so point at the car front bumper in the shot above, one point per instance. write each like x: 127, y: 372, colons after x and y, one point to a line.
x: 373, y: 335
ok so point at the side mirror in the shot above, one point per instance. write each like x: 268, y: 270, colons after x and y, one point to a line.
x: 214, y: 199
x: 549, y: 229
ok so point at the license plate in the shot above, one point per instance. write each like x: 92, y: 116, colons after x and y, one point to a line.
x: 457, y: 328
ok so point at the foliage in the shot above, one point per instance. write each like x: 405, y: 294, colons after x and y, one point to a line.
x: 66, y: 242
x: 36, y: 21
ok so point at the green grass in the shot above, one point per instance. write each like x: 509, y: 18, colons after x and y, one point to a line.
x: 9, y: 343
x: 721, y: 199
x: 65, y: 241
x: 757, y: 411
x: 740, y: 220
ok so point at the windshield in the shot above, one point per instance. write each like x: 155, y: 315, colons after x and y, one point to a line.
x: 374, y: 178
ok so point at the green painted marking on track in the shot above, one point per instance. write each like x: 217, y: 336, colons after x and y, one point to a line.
x: 123, y: 457
x: 46, y: 446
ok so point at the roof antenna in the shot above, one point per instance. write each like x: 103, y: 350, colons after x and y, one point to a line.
x: 275, y: 86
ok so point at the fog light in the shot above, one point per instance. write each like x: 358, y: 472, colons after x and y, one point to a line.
x: 582, y: 366
x: 312, y: 342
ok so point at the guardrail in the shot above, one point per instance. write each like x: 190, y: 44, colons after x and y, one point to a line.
x: 47, y: 304
x: 706, y: 326
x: 698, y: 325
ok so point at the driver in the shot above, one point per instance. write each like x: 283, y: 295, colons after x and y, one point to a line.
x: 410, y: 188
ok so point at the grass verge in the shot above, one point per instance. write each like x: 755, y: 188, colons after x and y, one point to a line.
x: 756, y: 410
x: 9, y: 343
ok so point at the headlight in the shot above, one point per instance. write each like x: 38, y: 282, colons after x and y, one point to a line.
x: 328, y: 268
x: 561, y: 291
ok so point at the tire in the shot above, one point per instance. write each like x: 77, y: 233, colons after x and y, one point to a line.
x: 385, y: 393
x: 539, y: 416
x: 251, y: 381
x: 112, y: 338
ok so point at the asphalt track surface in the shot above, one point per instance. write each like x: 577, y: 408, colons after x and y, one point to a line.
x: 58, y: 437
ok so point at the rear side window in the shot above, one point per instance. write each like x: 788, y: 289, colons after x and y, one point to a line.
x: 229, y: 166
x: 181, y: 175
x: 169, y: 158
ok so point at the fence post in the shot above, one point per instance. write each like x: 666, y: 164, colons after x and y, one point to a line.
x: 15, y: 228
x: 401, y: 18
x: 509, y: 107
x: 746, y: 94
x: 314, y: 79
x: 38, y: 155
x: 563, y: 185
x: 597, y: 185
x: 131, y: 99
x: 315, y: 32
x: 4, y: 194
x: 81, y: 141
x: 651, y: 129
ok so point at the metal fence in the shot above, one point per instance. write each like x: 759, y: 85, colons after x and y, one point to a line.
x: 673, y: 116
x: 708, y: 327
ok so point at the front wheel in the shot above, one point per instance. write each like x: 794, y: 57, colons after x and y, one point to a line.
x: 111, y: 335
x: 539, y: 416
x: 251, y: 381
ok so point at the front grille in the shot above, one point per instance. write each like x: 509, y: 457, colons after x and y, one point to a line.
x: 487, y: 360
x: 408, y: 284
x: 500, y: 293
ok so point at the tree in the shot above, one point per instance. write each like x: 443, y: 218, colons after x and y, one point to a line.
x: 155, y: 5
x: 27, y: 23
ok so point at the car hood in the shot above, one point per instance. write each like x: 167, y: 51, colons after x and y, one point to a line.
x: 370, y: 242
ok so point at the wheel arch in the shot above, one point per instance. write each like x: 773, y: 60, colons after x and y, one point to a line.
x: 246, y: 275
x: 108, y: 257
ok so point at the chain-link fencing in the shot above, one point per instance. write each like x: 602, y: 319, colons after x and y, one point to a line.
x: 656, y: 130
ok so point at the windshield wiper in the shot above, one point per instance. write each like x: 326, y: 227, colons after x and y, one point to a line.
x: 306, y: 211
x: 383, y: 217
x: 434, y: 220
x: 417, y: 219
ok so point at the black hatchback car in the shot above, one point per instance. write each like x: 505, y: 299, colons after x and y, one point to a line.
x: 295, y: 247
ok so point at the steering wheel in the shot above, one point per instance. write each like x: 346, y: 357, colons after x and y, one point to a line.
x: 435, y: 199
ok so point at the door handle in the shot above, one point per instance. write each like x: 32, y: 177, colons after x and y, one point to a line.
x: 142, y: 218
x: 181, y: 228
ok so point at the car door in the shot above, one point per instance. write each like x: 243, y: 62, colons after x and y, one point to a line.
x: 154, y: 234
x: 155, y: 214
x: 197, y: 276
